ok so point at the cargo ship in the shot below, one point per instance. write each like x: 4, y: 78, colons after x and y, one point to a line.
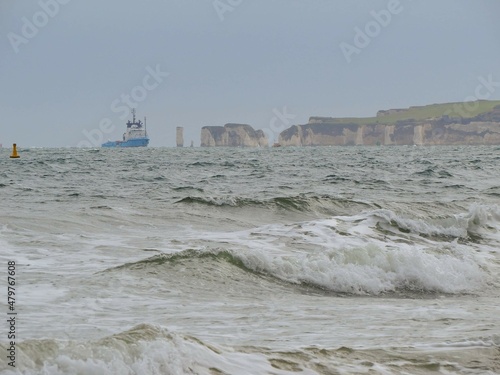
x: 135, y: 136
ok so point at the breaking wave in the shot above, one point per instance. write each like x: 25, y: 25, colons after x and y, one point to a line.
x: 301, y: 203
x: 479, y: 221
x: 368, y: 270
x: 152, y: 349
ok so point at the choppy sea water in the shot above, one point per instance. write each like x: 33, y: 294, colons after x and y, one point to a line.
x: 330, y: 260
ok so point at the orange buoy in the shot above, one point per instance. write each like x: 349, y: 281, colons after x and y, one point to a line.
x: 14, y: 155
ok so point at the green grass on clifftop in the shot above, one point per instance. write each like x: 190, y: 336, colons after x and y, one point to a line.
x: 465, y: 110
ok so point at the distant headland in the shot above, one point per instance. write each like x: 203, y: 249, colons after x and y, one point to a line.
x: 468, y: 123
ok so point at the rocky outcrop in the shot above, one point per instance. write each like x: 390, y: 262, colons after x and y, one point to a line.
x: 482, y: 129
x: 232, y: 135
x: 179, y: 136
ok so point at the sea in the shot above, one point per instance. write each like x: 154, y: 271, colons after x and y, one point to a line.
x: 291, y: 260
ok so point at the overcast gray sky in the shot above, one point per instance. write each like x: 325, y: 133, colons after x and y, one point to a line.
x: 71, y: 67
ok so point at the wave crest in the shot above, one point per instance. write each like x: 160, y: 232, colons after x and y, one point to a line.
x: 299, y: 203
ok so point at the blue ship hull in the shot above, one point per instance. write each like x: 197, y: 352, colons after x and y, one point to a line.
x: 138, y: 142
x: 136, y: 135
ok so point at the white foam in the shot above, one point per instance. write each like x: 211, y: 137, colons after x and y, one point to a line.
x: 148, y: 349
x: 482, y: 220
x: 373, y: 270
x: 143, y: 350
x: 448, y: 227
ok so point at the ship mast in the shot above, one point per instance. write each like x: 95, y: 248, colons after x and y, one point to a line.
x: 133, y: 115
x: 145, y: 128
